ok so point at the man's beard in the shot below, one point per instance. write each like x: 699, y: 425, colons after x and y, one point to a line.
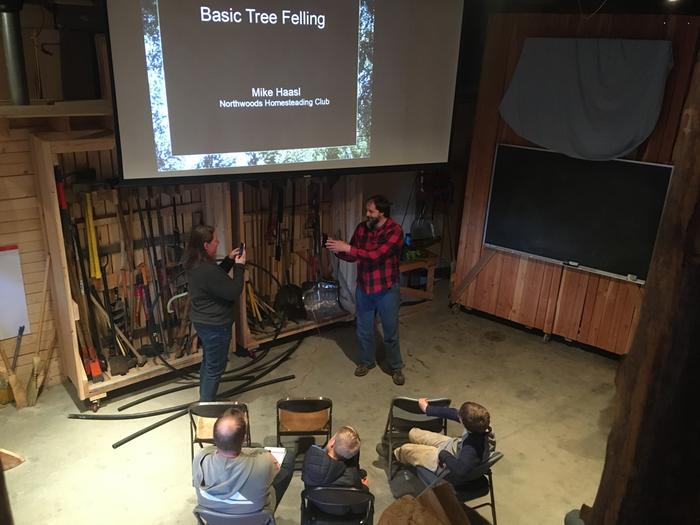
x: 372, y: 223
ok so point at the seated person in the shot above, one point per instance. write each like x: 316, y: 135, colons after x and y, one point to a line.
x: 335, y: 466
x: 235, y: 480
x: 434, y: 451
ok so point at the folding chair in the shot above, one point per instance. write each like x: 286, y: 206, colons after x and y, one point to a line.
x: 405, y: 414
x: 211, y: 517
x: 337, y: 505
x: 308, y: 416
x: 204, y: 414
x: 481, y: 485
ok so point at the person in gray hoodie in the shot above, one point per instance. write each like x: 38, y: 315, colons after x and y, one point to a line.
x: 233, y: 479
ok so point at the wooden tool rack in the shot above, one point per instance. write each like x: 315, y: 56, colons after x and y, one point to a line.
x: 75, y: 151
x: 239, y: 208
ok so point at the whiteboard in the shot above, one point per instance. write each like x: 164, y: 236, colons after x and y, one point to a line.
x: 13, y: 303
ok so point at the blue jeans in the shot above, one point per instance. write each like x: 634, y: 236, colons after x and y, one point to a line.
x: 385, y: 303
x: 216, y: 340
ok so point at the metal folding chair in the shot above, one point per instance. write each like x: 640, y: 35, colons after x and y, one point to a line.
x: 338, y: 505
x: 204, y: 414
x: 300, y: 417
x: 405, y: 414
x: 211, y: 517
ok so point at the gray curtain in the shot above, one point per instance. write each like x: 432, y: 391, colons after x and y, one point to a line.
x: 594, y: 99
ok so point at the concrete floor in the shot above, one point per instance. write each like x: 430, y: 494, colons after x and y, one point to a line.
x: 550, y: 406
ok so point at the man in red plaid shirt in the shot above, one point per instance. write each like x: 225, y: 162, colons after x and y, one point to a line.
x: 376, y: 248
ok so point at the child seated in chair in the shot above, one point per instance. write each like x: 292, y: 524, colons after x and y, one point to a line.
x: 434, y: 451
x: 336, y: 465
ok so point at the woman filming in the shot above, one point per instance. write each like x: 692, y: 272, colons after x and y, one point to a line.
x: 213, y: 295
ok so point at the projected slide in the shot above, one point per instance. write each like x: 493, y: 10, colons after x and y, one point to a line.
x: 241, y: 83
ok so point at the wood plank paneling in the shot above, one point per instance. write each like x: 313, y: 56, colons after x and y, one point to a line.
x: 13, y: 146
x: 595, y: 309
x: 572, y: 296
x: 506, y: 281
x: 20, y: 223
x: 16, y: 187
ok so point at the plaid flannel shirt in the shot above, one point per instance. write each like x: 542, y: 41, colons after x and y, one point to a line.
x: 377, y: 253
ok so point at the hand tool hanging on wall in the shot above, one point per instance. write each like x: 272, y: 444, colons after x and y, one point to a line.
x: 165, y: 281
x: 181, y: 339
x: 87, y: 314
x: 278, y: 227
x: 119, y: 313
x: 127, y: 262
x: 90, y: 361
x: 140, y: 359
x: 154, y: 332
x: 177, y: 238
x: 288, y: 300
x: 119, y: 364
x: 18, y: 344
x: 314, y: 224
x: 159, y: 341
x: 292, y: 228
x: 91, y: 238
x: 157, y: 273
x: 161, y: 263
x: 270, y: 233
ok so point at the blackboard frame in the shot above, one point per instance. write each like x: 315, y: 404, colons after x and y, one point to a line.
x: 639, y: 277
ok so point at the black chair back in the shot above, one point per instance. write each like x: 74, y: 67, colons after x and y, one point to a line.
x: 211, y: 517
x: 404, y: 414
x: 308, y: 416
x: 345, y: 505
x: 304, y: 419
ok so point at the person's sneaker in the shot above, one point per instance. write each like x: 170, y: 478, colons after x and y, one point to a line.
x: 383, y: 450
x: 362, y: 369
x: 398, y: 378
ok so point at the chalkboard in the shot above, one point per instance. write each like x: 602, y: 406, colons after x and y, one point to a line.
x: 602, y: 215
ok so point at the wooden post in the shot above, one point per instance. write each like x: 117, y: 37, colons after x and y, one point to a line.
x: 652, y: 460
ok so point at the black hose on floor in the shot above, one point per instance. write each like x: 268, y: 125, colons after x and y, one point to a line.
x: 178, y: 389
x: 235, y: 390
x: 184, y: 411
x: 225, y: 378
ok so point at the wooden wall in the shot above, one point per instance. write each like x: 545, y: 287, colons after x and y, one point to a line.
x: 594, y: 309
x: 21, y: 224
